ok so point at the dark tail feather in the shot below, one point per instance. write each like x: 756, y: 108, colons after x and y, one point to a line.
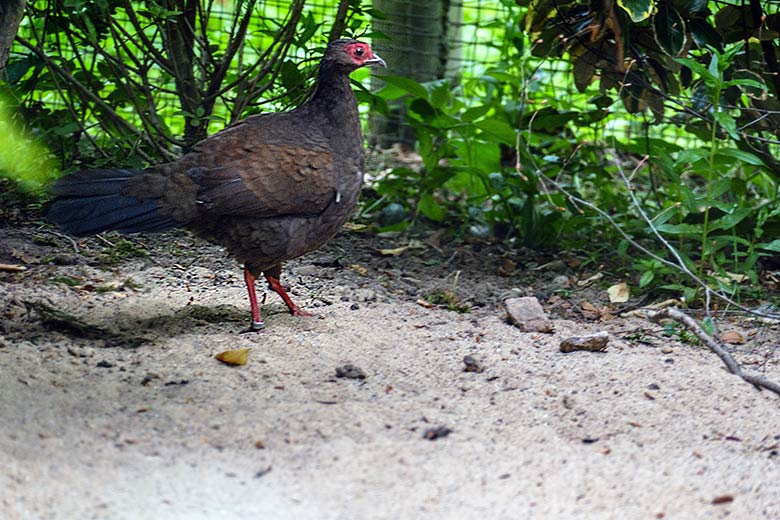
x: 91, y: 201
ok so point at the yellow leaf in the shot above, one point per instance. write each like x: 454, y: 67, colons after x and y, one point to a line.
x: 619, y: 293
x: 732, y: 337
x: 393, y: 252
x: 358, y: 268
x: 638, y: 10
x: 351, y: 226
x: 423, y: 303
x: 234, y: 357
x: 590, y: 280
x: 729, y: 278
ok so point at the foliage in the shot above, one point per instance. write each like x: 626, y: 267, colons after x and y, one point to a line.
x: 489, y: 144
x: 132, y: 82
x: 21, y: 157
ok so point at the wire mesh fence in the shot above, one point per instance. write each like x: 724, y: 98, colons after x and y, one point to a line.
x: 453, y: 39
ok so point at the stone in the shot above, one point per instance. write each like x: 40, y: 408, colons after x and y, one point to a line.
x: 526, y: 314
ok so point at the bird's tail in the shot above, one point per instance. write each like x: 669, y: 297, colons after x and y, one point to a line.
x: 92, y: 201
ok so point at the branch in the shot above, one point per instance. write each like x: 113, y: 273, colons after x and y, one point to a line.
x: 87, y: 94
x: 679, y: 265
x: 340, y: 22
x: 235, y: 43
x: 158, y: 56
x: 715, y: 346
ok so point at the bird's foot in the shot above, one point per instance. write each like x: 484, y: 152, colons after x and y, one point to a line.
x: 297, y: 311
x: 254, y: 326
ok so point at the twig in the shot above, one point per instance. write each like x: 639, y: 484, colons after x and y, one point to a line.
x: 680, y: 263
x: 715, y: 346
x: 681, y: 267
x: 63, y: 236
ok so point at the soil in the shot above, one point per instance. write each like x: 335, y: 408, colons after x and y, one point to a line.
x: 383, y: 405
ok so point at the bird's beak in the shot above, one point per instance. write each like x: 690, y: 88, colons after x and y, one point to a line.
x: 375, y: 61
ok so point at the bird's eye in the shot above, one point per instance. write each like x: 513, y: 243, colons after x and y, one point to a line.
x: 359, y: 51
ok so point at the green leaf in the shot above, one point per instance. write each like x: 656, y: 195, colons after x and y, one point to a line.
x: 749, y: 82
x: 774, y: 245
x: 423, y: 108
x: 584, y: 69
x: 704, y: 34
x: 408, y: 85
x: 15, y: 70
x: 708, y: 326
x: 728, y: 123
x: 745, y: 157
x: 441, y: 95
x: 691, y: 156
x: 646, y: 278
x: 728, y: 221
x: 699, y: 69
x: 680, y: 229
x: 498, y: 129
x: 669, y: 29
x: 474, y: 113
x: 692, y: 8
x: 638, y: 10
x: 430, y: 208
x: 713, y: 67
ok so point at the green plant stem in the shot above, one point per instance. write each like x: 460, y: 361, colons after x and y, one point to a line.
x: 711, y: 159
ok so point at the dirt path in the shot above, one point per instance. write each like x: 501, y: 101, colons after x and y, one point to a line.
x: 145, y: 423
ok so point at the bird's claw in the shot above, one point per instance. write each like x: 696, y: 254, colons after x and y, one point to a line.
x: 255, y: 326
x: 297, y: 311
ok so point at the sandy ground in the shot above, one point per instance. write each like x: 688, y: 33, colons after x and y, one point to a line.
x: 157, y: 428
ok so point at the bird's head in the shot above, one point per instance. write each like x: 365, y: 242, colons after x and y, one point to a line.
x: 351, y: 54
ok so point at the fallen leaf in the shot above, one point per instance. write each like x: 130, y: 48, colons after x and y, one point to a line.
x: 728, y: 277
x: 234, y: 357
x: 664, y: 304
x: 434, y: 239
x: 590, y: 280
x: 351, y: 226
x: 393, y: 252
x: 507, y: 267
x: 733, y: 337
x: 619, y: 293
x: 358, y: 268
x: 24, y: 256
x: 589, y: 307
x: 426, y: 304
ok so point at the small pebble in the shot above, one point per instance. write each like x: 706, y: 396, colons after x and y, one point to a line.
x: 472, y: 365
x: 350, y: 371
x: 439, y: 432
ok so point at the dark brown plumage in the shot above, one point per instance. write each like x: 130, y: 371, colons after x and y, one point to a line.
x: 270, y: 188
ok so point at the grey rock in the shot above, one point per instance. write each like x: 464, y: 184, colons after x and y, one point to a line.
x: 526, y: 314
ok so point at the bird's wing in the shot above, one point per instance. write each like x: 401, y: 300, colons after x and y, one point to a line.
x: 251, y: 170
x: 274, y: 180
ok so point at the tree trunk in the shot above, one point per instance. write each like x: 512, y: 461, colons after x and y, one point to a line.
x: 423, y: 45
x: 179, y: 41
x: 11, y: 12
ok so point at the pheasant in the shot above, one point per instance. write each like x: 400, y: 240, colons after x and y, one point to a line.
x: 269, y: 188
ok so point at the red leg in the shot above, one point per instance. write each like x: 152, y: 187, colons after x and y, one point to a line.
x: 257, y: 320
x: 279, y: 289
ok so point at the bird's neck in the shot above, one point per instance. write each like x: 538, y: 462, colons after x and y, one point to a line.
x: 333, y: 98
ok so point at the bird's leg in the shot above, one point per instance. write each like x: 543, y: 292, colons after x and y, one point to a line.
x: 257, y: 321
x: 276, y: 285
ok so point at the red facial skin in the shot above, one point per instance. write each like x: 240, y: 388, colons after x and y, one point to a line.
x: 359, y: 52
